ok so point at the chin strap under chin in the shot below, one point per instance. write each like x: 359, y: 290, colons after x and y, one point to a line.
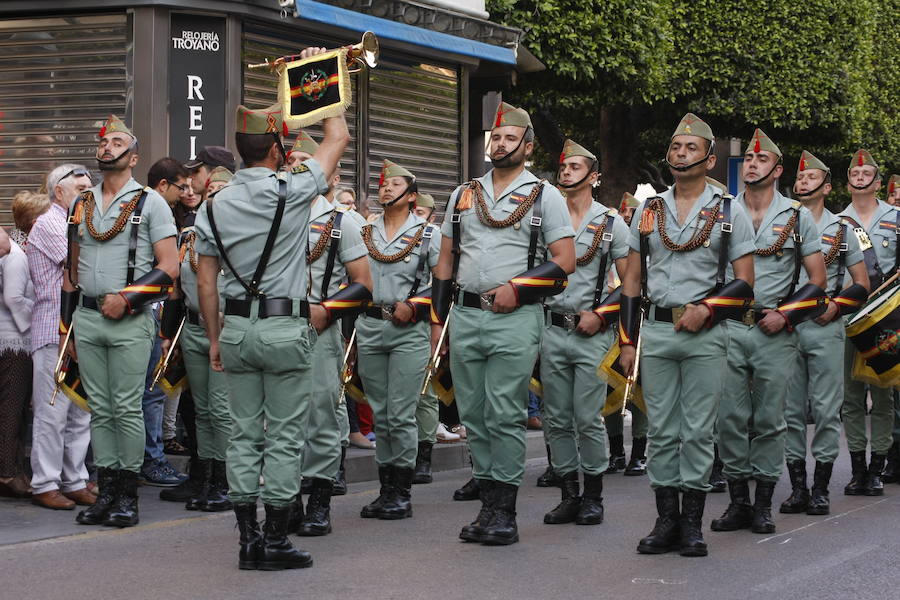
x: 112, y: 161
x: 809, y: 302
x: 709, y: 152
x: 811, y: 192
x: 152, y: 287
x: 860, y: 188
x: 766, y: 176
x: 729, y: 301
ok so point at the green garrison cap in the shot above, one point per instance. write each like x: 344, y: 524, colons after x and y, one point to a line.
x: 893, y: 184
x: 760, y: 142
x: 263, y: 120
x: 861, y: 158
x: 628, y: 201
x: 691, y: 124
x: 220, y: 174
x: 507, y: 114
x: 114, y: 124
x: 571, y: 149
x: 425, y: 200
x: 392, y: 169
x: 716, y: 184
x: 305, y: 143
x: 808, y: 161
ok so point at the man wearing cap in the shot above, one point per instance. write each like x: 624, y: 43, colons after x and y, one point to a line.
x: 762, y: 348
x: 257, y: 229
x: 122, y: 260
x: 681, y: 242
x: 498, y: 228
x: 819, y: 377
x: 577, y: 333
x: 877, y: 225
x: 336, y: 256
x: 893, y: 191
x: 206, y: 160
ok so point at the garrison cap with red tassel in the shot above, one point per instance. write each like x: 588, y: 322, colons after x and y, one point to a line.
x: 760, y: 142
x: 628, y: 201
x: 305, y: 143
x: 608, y: 310
x: 893, y: 184
x: 691, y: 124
x: 729, y: 302
x: 851, y: 299
x: 392, y: 169
x: 863, y: 158
x: 546, y: 279
x: 809, y: 302
x: 349, y: 301
x: 809, y: 161
x: 114, y: 125
x: 509, y: 115
x: 571, y: 149
x: 260, y: 121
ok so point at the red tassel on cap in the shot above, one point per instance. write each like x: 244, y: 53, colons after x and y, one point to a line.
x: 284, y: 129
x: 381, y: 179
x: 102, y: 132
x: 756, y: 148
x: 859, y: 160
x: 802, y: 164
x: 499, y: 118
x: 562, y: 156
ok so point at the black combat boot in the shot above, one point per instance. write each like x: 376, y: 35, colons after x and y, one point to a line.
x: 467, y: 492
x: 217, y: 497
x: 891, y: 473
x: 666, y: 533
x: 317, y: 520
x: 306, y: 485
x: 107, y: 484
x: 398, y: 503
x: 187, y: 489
x: 762, y: 508
x: 874, y: 485
x: 716, y: 478
x: 203, y: 482
x: 819, y: 503
x: 277, y: 553
x: 339, y: 487
x: 501, y: 530
x: 616, y: 454
x: 638, y: 463
x: 251, y: 538
x: 474, y: 531
x: 549, y: 478
x: 423, y: 464
x: 798, y: 501
x: 739, y: 514
x: 857, y: 485
x: 124, y: 512
x: 691, y: 523
x: 567, y: 509
x: 386, y: 477
x: 591, y: 510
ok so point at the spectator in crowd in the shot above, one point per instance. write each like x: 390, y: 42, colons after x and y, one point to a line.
x: 347, y: 197
x: 15, y: 345
x: 202, y: 166
x: 61, y: 432
x: 171, y: 180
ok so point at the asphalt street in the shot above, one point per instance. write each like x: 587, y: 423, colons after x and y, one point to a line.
x: 853, y: 553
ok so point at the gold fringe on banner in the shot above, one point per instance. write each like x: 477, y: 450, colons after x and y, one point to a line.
x: 315, y: 76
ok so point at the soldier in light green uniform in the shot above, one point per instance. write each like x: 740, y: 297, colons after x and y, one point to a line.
x: 577, y: 333
x: 762, y: 350
x: 685, y: 237
x: 879, y: 222
x: 336, y: 253
x: 118, y: 230
x: 819, y: 375
x: 393, y: 335
x: 497, y: 229
x: 256, y: 228
x: 208, y: 387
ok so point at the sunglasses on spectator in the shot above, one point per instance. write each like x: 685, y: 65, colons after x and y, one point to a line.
x: 79, y: 172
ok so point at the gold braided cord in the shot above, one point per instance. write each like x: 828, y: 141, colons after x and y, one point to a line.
x: 782, y: 238
x: 189, y: 239
x: 835, y: 247
x: 701, y: 237
x: 484, y: 215
x: 319, y: 248
x: 588, y: 256
x: 390, y: 258
x: 117, y: 227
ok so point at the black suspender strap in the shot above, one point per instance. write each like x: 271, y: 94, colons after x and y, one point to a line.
x: 604, y: 259
x: 133, y: 240
x: 645, y: 249
x: 876, y: 275
x: 422, y: 265
x: 798, y: 255
x: 332, y: 253
x: 536, y: 220
x: 253, y: 288
x: 726, y: 237
x: 842, y: 260
x: 897, y: 243
x: 71, y: 232
x: 455, y: 225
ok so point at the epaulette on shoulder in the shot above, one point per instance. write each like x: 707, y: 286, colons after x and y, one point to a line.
x: 612, y: 212
x: 796, y: 204
x: 342, y: 208
x: 301, y: 168
x: 148, y: 189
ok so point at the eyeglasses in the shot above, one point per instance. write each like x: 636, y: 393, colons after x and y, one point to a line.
x: 79, y: 172
x: 183, y: 187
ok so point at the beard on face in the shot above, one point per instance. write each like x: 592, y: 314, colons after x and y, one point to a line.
x: 120, y: 164
x: 511, y: 160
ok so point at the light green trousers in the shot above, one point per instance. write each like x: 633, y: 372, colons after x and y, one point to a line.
x: 322, y: 455
x: 818, y: 379
x: 267, y: 364
x: 113, y: 358
x: 427, y: 415
x: 853, y: 411
x: 210, y: 392
x: 573, y: 399
x: 392, y: 363
x: 492, y: 356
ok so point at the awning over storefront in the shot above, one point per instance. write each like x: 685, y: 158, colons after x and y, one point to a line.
x: 384, y: 28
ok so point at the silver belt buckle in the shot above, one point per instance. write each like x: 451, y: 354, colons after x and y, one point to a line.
x: 486, y: 301
x: 387, y: 312
x: 568, y: 321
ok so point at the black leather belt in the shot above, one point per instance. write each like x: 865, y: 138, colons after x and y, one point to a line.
x: 568, y: 321
x: 482, y: 301
x: 193, y: 317
x: 268, y: 307
x: 91, y: 303
x: 671, y: 315
x: 383, y: 312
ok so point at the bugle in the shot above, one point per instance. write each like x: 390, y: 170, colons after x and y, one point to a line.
x: 359, y: 56
x: 346, y: 371
x: 164, y: 363
x: 632, y: 377
x: 58, y: 374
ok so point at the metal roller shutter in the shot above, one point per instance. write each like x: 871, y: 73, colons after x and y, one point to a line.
x: 260, y: 88
x: 414, y: 120
x: 60, y: 78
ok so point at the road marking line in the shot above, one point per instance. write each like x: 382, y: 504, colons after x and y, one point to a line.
x: 797, y: 575
x: 819, y: 522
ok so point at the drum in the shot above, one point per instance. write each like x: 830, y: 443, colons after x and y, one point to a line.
x: 610, y: 372
x: 875, y: 333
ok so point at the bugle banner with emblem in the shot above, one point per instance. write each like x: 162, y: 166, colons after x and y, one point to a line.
x: 314, y: 88
x: 610, y: 372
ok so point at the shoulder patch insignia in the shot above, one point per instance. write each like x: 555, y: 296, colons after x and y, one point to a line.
x: 517, y: 198
x: 301, y: 168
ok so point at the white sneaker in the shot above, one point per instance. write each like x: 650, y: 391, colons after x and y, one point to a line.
x: 443, y: 435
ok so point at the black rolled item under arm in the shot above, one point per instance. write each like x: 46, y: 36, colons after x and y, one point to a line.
x: 441, y: 294
x: 152, y: 287
x: 421, y: 305
x: 729, y: 302
x: 546, y: 279
x: 347, y: 302
x: 172, y: 313
x: 809, y: 302
x: 629, y: 311
x: 851, y: 299
x: 608, y: 310
x: 68, y: 303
